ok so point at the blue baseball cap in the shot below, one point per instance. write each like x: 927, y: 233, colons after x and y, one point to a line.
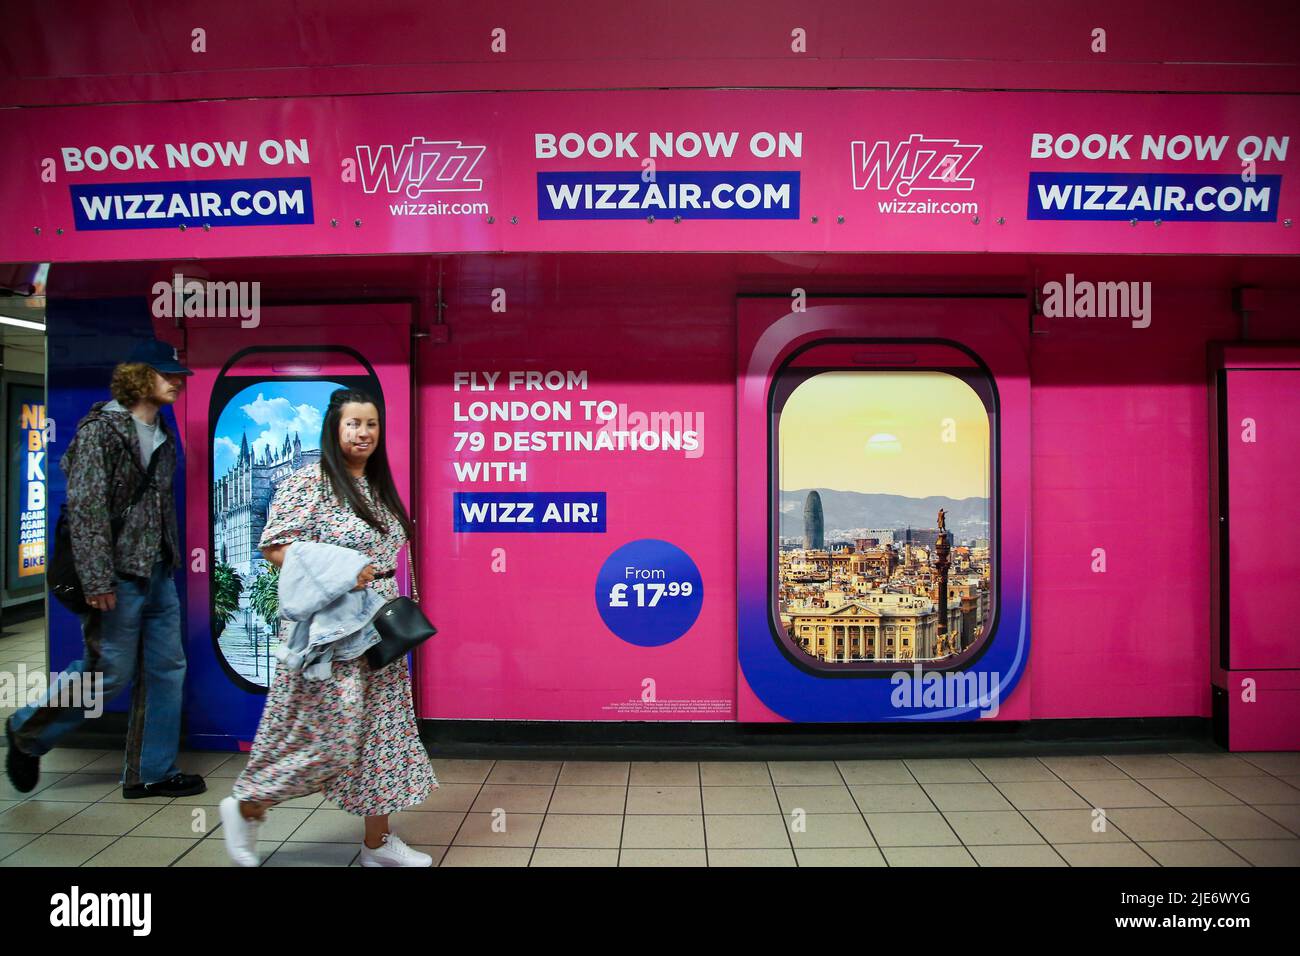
x: 159, y: 356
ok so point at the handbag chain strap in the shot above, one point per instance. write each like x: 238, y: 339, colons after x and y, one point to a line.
x: 410, y: 572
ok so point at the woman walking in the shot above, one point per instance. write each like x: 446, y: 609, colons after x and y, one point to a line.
x: 352, y: 734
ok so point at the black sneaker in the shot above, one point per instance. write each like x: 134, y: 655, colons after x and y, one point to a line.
x: 181, y: 785
x: 23, y: 769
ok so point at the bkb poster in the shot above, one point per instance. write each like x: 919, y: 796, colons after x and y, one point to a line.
x: 27, y: 437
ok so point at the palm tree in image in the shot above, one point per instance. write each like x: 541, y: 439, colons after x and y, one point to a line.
x: 264, y: 597
x: 227, y: 586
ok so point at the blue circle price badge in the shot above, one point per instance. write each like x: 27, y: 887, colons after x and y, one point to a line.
x: 649, y: 592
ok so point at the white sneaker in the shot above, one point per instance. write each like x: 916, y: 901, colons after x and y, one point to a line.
x: 393, y: 852
x: 240, y: 833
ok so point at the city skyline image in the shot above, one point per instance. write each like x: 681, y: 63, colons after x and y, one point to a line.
x: 883, y: 550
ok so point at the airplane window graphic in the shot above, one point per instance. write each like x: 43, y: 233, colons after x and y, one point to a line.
x: 883, y: 527
x: 264, y: 432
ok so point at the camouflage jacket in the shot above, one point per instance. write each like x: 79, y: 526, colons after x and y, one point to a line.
x: 101, y: 482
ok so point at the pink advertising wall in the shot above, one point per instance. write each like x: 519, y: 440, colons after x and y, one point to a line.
x: 71, y: 52
x: 1121, y: 462
x: 1119, y: 445
x: 1254, y: 391
x: 1118, y: 442
x: 888, y: 166
x: 522, y: 601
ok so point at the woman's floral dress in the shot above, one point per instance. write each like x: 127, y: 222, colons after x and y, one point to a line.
x: 354, y: 735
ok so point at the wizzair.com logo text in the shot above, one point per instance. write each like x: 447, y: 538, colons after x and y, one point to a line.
x: 917, y: 165
x: 208, y: 202
x: 426, y: 172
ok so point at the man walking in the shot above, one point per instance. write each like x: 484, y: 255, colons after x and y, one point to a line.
x: 120, y: 463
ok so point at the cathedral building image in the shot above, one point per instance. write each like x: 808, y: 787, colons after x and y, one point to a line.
x: 240, y: 500
x: 241, y: 497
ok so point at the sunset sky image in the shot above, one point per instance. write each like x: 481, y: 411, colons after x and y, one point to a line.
x: 881, y: 433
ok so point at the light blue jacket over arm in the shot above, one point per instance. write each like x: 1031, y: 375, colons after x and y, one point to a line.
x: 327, y: 619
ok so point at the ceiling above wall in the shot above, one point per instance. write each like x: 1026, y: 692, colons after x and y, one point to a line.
x: 75, y: 52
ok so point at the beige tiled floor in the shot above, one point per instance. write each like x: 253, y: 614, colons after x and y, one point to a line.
x: 1131, y: 810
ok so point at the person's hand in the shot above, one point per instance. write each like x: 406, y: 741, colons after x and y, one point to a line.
x: 102, y: 602
x: 365, y: 577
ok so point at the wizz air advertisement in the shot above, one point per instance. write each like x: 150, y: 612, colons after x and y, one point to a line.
x: 882, y: 529
x: 667, y: 171
x: 1094, y: 192
x: 578, y: 512
x: 697, y: 193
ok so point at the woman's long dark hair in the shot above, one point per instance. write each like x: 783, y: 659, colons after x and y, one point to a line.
x: 378, y: 473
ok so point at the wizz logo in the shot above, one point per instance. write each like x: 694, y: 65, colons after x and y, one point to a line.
x: 420, y: 167
x: 917, y: 164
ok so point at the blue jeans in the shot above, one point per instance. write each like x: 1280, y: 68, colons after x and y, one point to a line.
x: 139, y: 639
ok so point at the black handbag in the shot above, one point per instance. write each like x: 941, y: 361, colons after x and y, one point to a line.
x: 61, y: 575
x: 401, y: 624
